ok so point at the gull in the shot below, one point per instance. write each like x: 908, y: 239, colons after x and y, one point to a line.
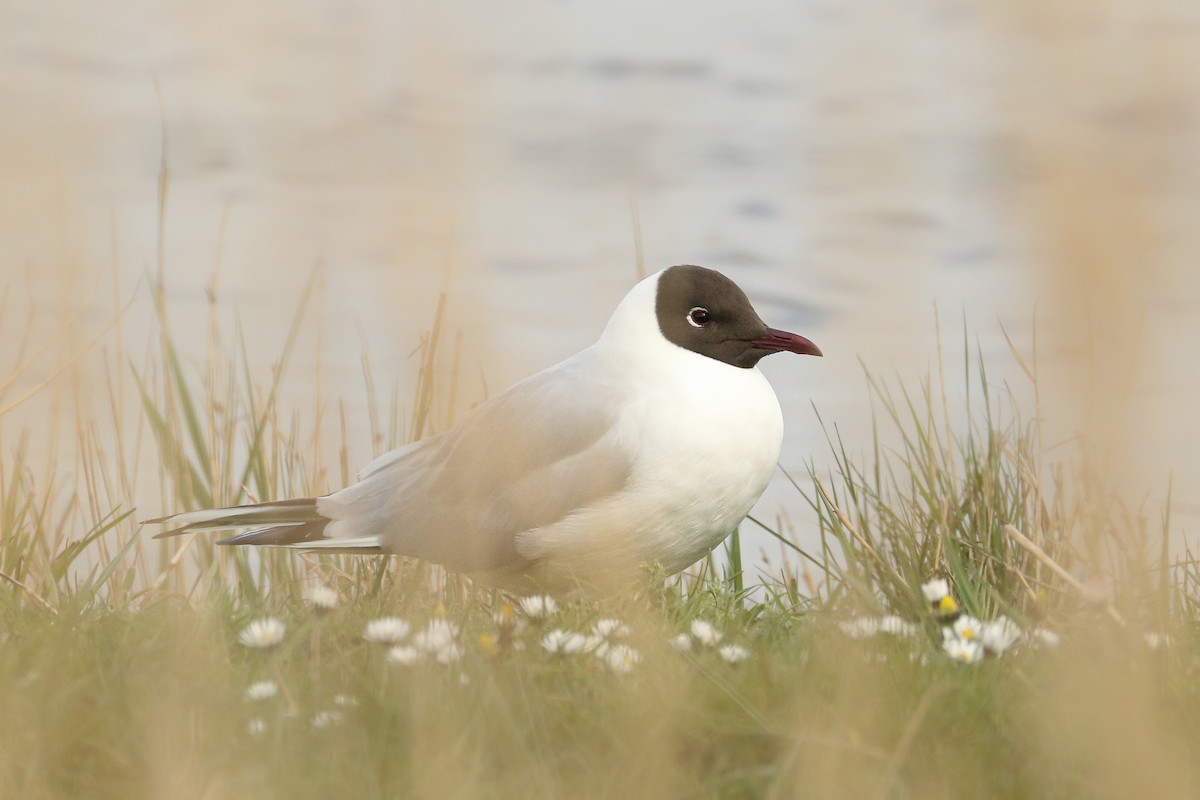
x: 649, y: 446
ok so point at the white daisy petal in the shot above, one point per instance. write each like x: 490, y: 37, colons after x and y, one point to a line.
x: 897, y: 626
x: 621, y: 658
x: 507, y: 620
x: 1045, y: 637
x: 999, y: 635
x: 405, y: 656
x: 448, y: 653
x: 555, y: 641
x: 705, y: 633
x: 262, y: 633
x: 682, y: 643
x: 324, y: 719
x: 733, y: 653
x: 261, y: 690
x: 386, y: 630
x: 538, y: 606
x: 860, y: 627
x: 321, y: 598
x: 936, y: 589
x: 967, y: 651
x: 967, y: 627
x: 1156, y: 640
x: 438, y: 634
x: 596, y: 646
x: 610, y: 629
x: 575, y: 643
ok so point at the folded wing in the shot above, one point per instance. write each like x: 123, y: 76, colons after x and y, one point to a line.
x: 547, y: 448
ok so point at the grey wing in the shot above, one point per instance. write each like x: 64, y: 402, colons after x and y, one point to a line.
x: 543, y: 449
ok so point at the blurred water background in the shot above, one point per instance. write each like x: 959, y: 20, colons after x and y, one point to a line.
x: 855, y: 167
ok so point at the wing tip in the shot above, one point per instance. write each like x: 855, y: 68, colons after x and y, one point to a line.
x: 171, y: 533
x: 266, y: 534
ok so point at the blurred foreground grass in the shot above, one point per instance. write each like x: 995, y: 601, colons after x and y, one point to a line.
x: 122, y: 674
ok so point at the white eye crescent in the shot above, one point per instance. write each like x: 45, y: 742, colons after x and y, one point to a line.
x: 699, y: 317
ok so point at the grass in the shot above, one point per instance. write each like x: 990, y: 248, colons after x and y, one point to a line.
x: 121, y: 674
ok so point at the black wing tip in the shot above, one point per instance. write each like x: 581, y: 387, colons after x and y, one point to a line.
x: 235, y: 521
x: 171, y: 533
x: 283, y: 533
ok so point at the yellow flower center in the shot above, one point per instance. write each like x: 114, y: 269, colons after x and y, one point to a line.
x: 947, y: 605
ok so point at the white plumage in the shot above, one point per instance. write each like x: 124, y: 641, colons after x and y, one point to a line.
x: 650, y: 445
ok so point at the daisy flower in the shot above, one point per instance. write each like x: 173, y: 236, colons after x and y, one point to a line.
x: 621, y: 658
x: 1045, y: 637
x: 596, y: 645
x: 321, y: 598
x: 937, y: 592
x: 323, y: 719
x: 405, y: 656
x: 505, y: 616
x: 866, y: 627
x: 448, y: 653
x: 999, y: 635
x: 386, y: 630
x: 560, y: 642
x: 896, y: 626
x: 489, y: 644
x: 705, y: 633
x: 553, y: 641
x: 935, y: 589
x: 682, y: 643
x: 262, y: 633
x: 582, y: 643
x: 610, y: 629
x: 262, y: 690
x: 507, y: 621
x: 860, y: 627
x: 967, y: 627
x: 967, y: 651
x: 438, y: 634
x: 538, y: 606
x: 1157, y: 640
x: 734, y: 653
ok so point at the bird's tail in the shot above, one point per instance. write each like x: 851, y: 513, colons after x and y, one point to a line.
x: 283, y: 523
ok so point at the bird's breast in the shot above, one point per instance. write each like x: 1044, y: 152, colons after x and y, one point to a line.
x: 702, y: 439
x: 709, y: 446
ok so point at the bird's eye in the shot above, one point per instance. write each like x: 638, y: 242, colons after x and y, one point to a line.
x: 699, y: 317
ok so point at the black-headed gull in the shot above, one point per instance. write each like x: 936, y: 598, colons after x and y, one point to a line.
x: 654, y: 442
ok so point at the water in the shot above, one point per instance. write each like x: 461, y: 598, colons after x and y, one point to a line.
x: 853, y: 168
